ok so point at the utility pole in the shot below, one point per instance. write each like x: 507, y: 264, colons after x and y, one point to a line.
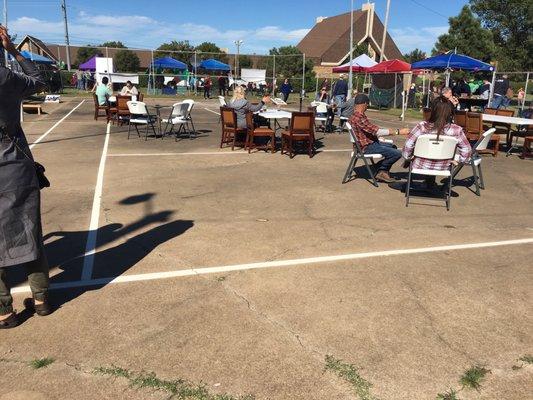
x: 384, y: 32
x: 5, y: 25
x: 238, y: 43
x: 350, y: 72
x: 67, y: 43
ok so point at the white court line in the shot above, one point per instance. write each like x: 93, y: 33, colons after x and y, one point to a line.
x: 205, y: 153
x: 55, y: 125
x: 90, y: 247
x: 274, y: 264
x: 214, y: 112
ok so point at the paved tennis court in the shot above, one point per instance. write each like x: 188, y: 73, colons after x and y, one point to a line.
x: 245, y: 271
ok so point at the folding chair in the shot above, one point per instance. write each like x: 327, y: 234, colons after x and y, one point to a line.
x: 428, y: 147
x: 321, y: 108
x: 188, y: 117
x: 177, y: 117
x: 357, y: 154
x: 140, y: 116
x: 475, y: 160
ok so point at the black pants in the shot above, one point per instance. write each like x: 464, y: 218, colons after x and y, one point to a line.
x: 285, y: 97
x: 207, y: 92
x: 221, y: 90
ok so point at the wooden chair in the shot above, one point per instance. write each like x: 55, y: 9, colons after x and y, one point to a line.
x: 427, y: 113
x: 98, y: 108
x: 122, y: 113
x: 260, y: 132
x: 527, y: 151
x: 491, y: 111
x: 301, y: 130
x: 230, y: 131
x: 473, y: 130
x: 140, y: 97
x: 459, y: 118
x: 503, y: 128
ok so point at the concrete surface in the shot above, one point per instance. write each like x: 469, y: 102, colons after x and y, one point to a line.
x: 412, y: 324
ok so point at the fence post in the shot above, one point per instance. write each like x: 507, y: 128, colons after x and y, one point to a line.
x: 274, y: 75
x: 195, y: 74
x: 302, y: 94
x: 525, y: 92
x: 151, y: 84
x: 491, y: 93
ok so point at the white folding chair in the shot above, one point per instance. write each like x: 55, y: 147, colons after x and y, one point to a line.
x: 178, y: 116
x: 428, y: 147
x: 188, y: 117
x: 140, y: 116
x: 357, y: 154
x: 475, y: 160
x: 222, y: 101
x: 320, y: 108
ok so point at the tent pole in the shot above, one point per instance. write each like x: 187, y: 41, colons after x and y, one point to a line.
x: 316, y: 85
x: 491, y: 93
x: 429, y: 91
x: 525, y: 92
x: 153, y: 77
x: 195, y: 74
x: 423, y: 83
x: 273, y: 75
x: 395, y: 85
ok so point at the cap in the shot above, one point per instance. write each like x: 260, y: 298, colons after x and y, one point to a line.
x: 361, y: 99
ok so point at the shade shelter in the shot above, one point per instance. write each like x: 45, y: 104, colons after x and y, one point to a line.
x: 390, y: 67
x: 89, y: 65
x: 169, y: 63
x: 452, y: 61
x: 214, y: 65
x: 359, y: 64
x: 36, y: 58
x: 388, y: 82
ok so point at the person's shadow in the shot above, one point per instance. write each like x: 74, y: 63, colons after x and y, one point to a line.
x: 65, y: 250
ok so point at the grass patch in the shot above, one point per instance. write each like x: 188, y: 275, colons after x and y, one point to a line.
x: 41, y: 362
x: 449, y: 395
x: 473, y: 376
x: 179, y: 388
x: 527, y: 359
x: 349, y: 373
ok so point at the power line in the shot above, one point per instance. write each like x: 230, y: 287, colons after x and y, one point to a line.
x: 429, y: 9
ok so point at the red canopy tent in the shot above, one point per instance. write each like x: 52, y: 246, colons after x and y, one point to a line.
x: 390, y: 67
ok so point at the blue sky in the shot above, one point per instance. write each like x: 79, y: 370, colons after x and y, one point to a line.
x: 261, y: 24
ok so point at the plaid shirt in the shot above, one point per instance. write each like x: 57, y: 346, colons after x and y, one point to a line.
x: 365, y: 131
x: 424, y: 128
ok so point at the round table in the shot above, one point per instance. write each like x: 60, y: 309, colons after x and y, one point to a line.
x: 275, y: 115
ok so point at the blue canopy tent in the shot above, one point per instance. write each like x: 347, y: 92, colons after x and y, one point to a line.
x: 214, y: 65
x: 169, y: 63
x: 453, y: 61
x: 37, y: 58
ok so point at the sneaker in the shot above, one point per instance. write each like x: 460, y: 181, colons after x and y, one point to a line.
x: 383, y: 176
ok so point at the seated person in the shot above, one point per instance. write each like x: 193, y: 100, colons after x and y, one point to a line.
x: 438, y: 123
x: 448, y: 94
x: 129, y: 90
x: 368, y: 136
x: 103, y: 91
x: 322, y: 96
x: 241, y: 105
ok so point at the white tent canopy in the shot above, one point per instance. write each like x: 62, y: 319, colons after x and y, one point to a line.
x: 362, y: 61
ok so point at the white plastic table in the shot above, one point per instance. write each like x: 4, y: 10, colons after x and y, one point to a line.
x: 275, y: 115
x: 507, y: 120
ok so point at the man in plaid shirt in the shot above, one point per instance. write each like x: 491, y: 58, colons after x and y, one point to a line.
x: 368, y: 136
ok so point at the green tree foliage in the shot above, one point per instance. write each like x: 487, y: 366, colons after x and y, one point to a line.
x: 113, y: 44
x: 289, y: 64
x: 211, y: 50
x: 414, y: 56
x: 511, y: 25
x: 126, y: 61
x: 467, y: 36
x: 183, y: 47
x: 85, y: 53
x: 245, y: 61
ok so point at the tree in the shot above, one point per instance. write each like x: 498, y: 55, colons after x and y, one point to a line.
x: 212, y: 51
x: 467, y: 36
x: 414, y: 56
x: 511, y: 24
x: 182, y: 51
x: 289, y: 64
x: 245, y: 61
x: 114, y: 45
x: 126, y: 61
x: 85, y: 53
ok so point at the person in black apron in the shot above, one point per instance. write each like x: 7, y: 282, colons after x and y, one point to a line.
x: 21, y: 239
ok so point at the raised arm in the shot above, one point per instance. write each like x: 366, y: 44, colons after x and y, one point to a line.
x: 23, y: 84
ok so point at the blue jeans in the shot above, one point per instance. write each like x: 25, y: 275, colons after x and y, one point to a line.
x: 390, y: 153
x: 500, y: 101
x: 339, y: 99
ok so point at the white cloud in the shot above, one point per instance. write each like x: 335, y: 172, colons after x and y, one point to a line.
x: 144, y: 32
x: 408, y: 38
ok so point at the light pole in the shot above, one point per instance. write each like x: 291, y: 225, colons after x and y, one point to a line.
x: 238, y: 43
x: 382, y: 55
x: 350, y: 72
x: 5, y: 25
x: 67, y: 41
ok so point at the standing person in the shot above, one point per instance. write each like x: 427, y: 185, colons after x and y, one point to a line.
x: 501, y: 87
x: 286, y: 89
x: 21, y: 238
x: 340, y: 91
x: 207, y: 87
x: 221, y: 85
x: 368, y: 136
